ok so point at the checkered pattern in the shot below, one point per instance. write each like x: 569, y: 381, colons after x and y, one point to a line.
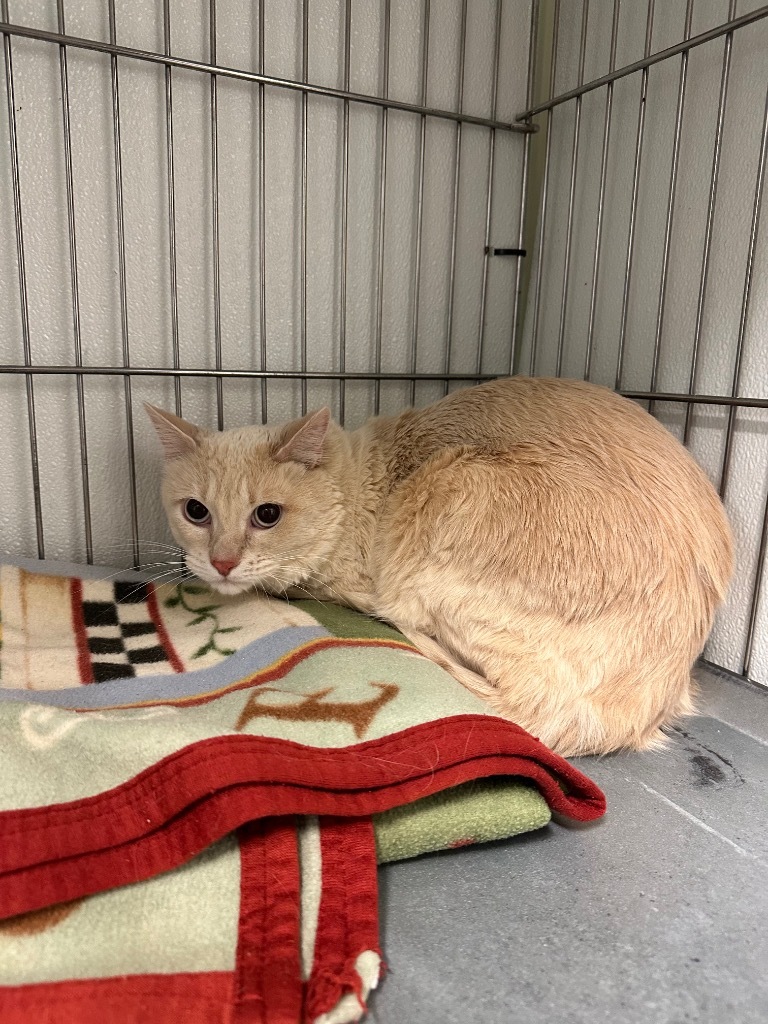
x: 122, y: 638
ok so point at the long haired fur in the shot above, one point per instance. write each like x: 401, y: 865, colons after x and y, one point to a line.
x: 547, y: 541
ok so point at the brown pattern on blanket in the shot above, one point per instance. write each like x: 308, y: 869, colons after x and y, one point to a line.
x: 358, y: 714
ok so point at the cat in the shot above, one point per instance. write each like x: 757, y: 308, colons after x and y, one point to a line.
x: 547, y: 541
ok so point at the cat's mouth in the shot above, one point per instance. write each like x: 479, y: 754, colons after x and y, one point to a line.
x: 217, y: 582
x: 265, y: 582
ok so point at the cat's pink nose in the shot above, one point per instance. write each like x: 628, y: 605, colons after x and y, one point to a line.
x: 224, y: 565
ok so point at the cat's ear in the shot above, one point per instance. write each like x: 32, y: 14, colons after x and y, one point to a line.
x: 177, y: 436
x: 304, y: 440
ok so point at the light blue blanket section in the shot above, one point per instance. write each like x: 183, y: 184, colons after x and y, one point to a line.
x: 249, y: 659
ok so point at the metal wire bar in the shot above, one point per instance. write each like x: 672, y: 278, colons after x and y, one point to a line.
x: 23, y: 297
x: 675, y: 396
x: 530, y: 79
x: 171, y: 203
x: 712, y: 200
x: 262, y: 224
x: 251, y: 76
x: 382, y: 208
x: 420, y: 206
x: 122, y: 279
x: 754, y: 606
x: 345, y: 215
x: 168, y: 371
x: 75, y: 289
x: 303, y: 233
x: 544, y: 196
x: 601, y: 194
x: 572, y: 190
x: 456, y: 183
x: 671, y: 203
x: 648, y: 61
x: 754, y: 229
x: 489, y: 194
x: 216, y: 263
x: 633, y: 205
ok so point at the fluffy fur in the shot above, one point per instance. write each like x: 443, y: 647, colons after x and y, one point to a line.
x: 547, y: 541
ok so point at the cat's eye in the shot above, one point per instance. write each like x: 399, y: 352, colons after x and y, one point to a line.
x: 196, y: 512
x: 266, y: 515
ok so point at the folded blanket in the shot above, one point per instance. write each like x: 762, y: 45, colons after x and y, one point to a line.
x: 196, y: 789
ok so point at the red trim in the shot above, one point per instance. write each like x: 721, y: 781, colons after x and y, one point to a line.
x: 144, y: 803
x: 202, y: 998
x: 176, y: 808
x: 78, y: 628
x: 162, y: 632
x: 348, y: 922
x: 268, y: 985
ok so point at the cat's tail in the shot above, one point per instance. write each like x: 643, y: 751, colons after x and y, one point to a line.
x: 431, y: 649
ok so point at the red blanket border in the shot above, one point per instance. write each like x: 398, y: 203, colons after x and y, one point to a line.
x: 176, y: 808
x: 204, y: 998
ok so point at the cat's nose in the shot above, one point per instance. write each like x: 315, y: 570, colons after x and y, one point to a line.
x: 224, y: 565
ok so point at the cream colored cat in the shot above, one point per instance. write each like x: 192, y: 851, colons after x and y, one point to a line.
x: 547, y: 541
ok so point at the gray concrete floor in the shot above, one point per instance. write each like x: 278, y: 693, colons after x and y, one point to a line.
x: 658, y: 913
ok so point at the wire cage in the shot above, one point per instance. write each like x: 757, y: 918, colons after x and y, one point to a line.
x: 241, y: 211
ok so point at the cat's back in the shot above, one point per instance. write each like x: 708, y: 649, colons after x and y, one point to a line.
x: 577, y: 445
x: 566, y: 419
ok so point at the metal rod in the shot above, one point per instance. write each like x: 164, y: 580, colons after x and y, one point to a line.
x: 633, y: 204
x: 544, y: 196
x: 572, y: 191
x: 648, y: 61
x: 344, y: 215
x: 746, y: 296
x: 601, y: 195
x: 75, y: 289
x: 674, y: 396
x: 215, y: 220
x: 168, y: 371
x: 671, y: 203
x: 171, y: 203
x: 303, y: 236
x: 757, y: 588
x: 23, y: 296
x: 262, y: 225
x: 530, y: 80
x: 420, y: 206
x: 382, y: 208
x: 122, y: 279
x: 489, y: 195
x: 252, y: 76
x: 713, y: 182
x: 456, y: 183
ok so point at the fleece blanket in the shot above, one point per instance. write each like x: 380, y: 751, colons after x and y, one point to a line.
x: 196, y: 789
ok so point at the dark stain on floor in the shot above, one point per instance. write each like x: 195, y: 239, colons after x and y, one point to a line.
x: 706, y: 770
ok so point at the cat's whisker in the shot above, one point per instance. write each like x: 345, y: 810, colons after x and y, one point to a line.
x: 172, y: 576
x: 314, y: 578
x: 142, y: 542
x: 119, y: 550
x: 138, y: 569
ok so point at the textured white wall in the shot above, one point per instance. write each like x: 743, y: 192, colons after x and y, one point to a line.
x: 748, y: 484
x: 142, y: 98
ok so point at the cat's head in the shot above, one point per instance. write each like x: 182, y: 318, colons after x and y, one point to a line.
x: 254, y: 506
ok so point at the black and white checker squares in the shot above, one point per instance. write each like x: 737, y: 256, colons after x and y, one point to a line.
x: 122, y: 638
